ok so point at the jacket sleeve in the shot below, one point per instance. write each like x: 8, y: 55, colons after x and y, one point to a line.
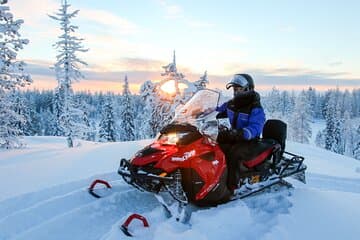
x: 256, y: 124
x: 222, y: 111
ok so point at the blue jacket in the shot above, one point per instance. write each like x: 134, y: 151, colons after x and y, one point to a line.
x: 245, y: 112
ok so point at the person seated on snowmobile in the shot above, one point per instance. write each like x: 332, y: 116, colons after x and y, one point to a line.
x: 247, y: 119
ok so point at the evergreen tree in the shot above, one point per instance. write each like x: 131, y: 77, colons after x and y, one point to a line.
x: 333, y: 120
x: 67, y: 71
x: 347, y: 135
x: 47, y: 123
x: 146, y: 125
x: 107, y: 129
x: 311, y: 99
x: 12, y: 76
x: 285, y: 106
x: 58, y: 102
x: 127, y: 131
x: 272, y: 103
x: 356, y: 152
x: 355, y: 103
x: 300, y: 121
x: 20, y: 106
x: 320, y: 139
x: 202, y: 82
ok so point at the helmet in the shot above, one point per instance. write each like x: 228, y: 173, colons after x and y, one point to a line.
x: 242, y: 80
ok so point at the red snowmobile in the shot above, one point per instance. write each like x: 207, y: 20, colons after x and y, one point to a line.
x: 186, y: 165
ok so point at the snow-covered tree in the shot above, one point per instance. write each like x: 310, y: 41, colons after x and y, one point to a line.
x: 355, y: 103
x: 58, y: 102
x: 20, y: 106
x: 272, y: 103
x: 127, y: 129
x: 145, y: 124
x: 348, y: 135
x: 286, y: 105
x: 356, y: 152
x: 107, y: 129
x: 12, y: 76
x: 312, y: 101
x: 67, y: 69
x: 332, y: 113
x: 202, y: 82
x: 320, y: 139
x: 300, y: 130
x: 47, y: 121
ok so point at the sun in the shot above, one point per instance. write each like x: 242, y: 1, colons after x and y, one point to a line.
x: 169, y: 87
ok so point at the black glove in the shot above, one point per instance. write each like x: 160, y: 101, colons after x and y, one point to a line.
x: 230, y: 135
x: 221, y: 115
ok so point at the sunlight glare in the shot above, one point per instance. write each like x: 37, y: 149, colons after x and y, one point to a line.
x: 169, y: 87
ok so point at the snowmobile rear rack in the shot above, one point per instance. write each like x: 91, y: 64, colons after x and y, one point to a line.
x: 124, y: 226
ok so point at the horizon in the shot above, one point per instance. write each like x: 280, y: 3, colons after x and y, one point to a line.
x: 272, y: 41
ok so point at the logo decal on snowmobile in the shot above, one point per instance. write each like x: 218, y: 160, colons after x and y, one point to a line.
x: 185, y: 157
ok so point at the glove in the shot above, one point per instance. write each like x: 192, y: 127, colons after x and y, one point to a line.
x: 230, y: 135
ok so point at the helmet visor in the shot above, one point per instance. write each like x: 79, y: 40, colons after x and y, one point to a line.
x: 238, y: 80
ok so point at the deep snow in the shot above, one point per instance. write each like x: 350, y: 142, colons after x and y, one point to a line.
x: 43, y: 196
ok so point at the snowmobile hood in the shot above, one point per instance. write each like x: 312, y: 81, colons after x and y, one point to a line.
x: 153, y: 154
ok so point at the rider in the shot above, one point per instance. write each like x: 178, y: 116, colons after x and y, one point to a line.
x: 247, y: 119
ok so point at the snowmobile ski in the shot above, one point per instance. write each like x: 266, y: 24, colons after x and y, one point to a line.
x: 125, y: 226
x: 92, y: 189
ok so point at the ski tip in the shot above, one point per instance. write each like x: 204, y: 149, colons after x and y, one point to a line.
x: 125, y: 230
x: 92, y: 193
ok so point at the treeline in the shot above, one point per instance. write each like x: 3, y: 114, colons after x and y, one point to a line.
x: 340, y: 110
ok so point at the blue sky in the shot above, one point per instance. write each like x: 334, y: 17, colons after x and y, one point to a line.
x: 287, y: 44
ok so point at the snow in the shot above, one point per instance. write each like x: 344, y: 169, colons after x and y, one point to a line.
x: 43, y: 196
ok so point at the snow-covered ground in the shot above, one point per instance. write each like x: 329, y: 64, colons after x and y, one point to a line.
x: 43, y: 195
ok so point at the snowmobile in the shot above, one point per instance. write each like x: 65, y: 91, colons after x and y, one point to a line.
x: 186, y: 169
x: 186, y: 165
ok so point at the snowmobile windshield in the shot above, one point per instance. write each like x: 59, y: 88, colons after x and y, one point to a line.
x: 200, y: 112
x: 198, y: 107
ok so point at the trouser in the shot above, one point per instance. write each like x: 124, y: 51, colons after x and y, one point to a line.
x: 235, y: 154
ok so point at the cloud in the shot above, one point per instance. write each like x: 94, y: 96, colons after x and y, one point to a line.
x: 139, y: 70
x: 335, y: 64
x: 172, y: 11
x: 237, y: 39
x: 35, y: 11
x: 109, y: 20
x: 199, y: 24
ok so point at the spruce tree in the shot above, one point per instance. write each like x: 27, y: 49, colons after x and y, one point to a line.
x: 311, y: 99
x: 107, y: 129
x: 285, y: 107
x: 67, y: 70
x: 356, y: 152
x: 127, y: 130
x: 202, y: 82
x: 21, y: 107
x: 272, y: 103
x: 333, y: 120
x: 146, y: 125
x: 300, y: 121
x: 12, y: 76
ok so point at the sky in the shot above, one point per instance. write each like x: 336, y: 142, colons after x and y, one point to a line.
x: 287, y: 44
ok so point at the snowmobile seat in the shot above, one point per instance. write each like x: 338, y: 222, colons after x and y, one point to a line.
x: 271, y: 145
x: 261, y: 151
